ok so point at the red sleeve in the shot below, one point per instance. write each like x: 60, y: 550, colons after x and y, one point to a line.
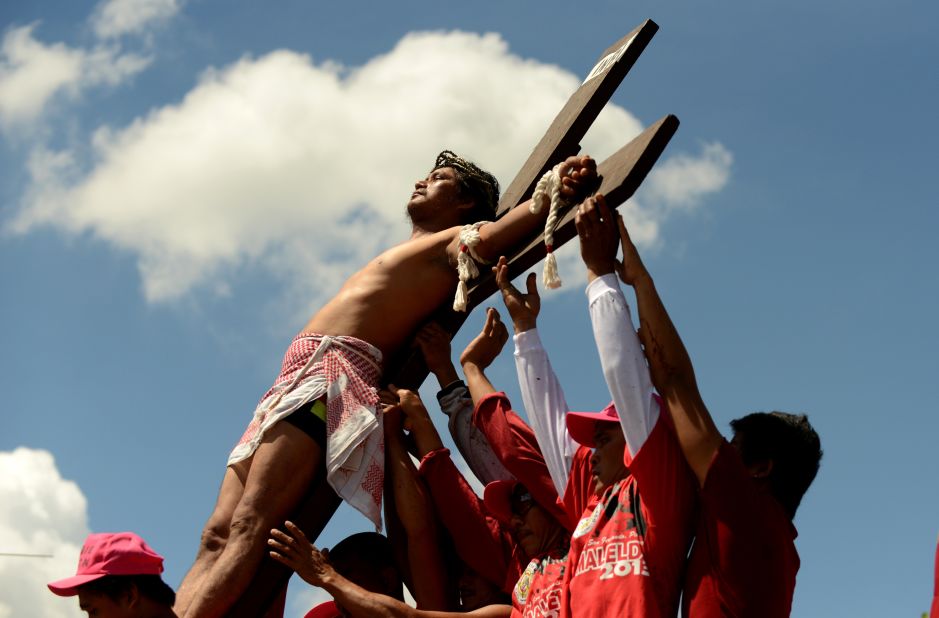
x: 579, y: 494
x: 665, y: 482
x: 514, y: 443
x: 668, y: 493
x: 479, y: 539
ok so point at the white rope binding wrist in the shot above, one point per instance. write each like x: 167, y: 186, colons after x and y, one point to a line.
x: 548, y: 191
x: 465, y: 266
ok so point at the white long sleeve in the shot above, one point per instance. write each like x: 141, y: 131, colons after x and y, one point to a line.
x: 545, y: 406
x: 624, y: 364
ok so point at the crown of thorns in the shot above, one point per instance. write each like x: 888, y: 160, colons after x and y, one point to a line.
x: 481, y: 184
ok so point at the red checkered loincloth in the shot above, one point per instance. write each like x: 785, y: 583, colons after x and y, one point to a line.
x: 346, y: 370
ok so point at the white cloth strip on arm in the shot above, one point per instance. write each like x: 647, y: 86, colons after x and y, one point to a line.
x: 470, y: 441
x: 624, y: 364
x: 545, y: 406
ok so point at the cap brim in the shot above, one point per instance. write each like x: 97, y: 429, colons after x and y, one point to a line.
x: 68, y: 587
x: 582, y: 425
x: 497, y: 498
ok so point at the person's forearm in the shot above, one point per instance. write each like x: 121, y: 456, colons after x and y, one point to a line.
x: 446, y: 374
x: 425, y: 435
x: 511, y: 230
x: 412, y: 504
x: 416, y: 515
x: 673, y: 376
x: 476, y: 381
x: 668, y: 359
x: 545, y: 405
x: 624, y: 365
x: 457, y: 404
x: 361, y: 603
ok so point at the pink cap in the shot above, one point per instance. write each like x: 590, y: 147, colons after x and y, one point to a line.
x: 324, y: 610
x: 110, y: 553
x: 581, y: 425
x: 497, y: 497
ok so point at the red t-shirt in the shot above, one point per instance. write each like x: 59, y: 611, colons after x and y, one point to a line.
x: 628, y: 551
x: 934, y: 612
x: 537, y: 594
x: 744, y: 561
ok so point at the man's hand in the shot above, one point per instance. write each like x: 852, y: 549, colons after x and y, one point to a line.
x: 411, y: 405
x: 293, y: 549
x: 631, y: 270
x: 434, y: 343
x: 391, y: 413
x: 484, y: 349
x: 578, y: 178
x: 599, y: 239
x: 416, y: 420
x: 523, y: 308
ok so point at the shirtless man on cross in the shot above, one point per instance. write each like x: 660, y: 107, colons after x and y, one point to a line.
x: 327, y: 387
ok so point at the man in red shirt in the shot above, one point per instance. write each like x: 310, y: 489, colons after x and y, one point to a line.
x: 744, y: 561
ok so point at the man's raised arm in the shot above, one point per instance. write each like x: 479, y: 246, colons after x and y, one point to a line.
x: 624, y: 366
x: 517, y: 227
x: 669, y: 364
x: 541, y: 390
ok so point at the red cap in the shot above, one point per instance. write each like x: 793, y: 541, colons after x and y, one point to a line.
x: 497, y: 497
x: 327, y: 609
x: 110, y: 553
x: 581, y: 425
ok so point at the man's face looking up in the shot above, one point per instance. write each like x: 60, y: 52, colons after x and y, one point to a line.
x: 439, y: 192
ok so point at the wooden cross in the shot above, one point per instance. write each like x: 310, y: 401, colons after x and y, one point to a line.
x: 622, y: 174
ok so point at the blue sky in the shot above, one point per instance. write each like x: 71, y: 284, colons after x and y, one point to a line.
x: 183, y: 183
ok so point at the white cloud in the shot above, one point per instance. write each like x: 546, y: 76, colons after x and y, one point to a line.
x: 32, y: 73
x: 264, y: 155
x: 682, y: 180
x: 40, y: 513
x: 114, y: 18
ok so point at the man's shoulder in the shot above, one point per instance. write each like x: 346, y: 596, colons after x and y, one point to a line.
x: 434, y: 238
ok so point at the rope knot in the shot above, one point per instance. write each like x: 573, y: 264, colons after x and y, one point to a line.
x: 465, y: 265
x: 548, y: 193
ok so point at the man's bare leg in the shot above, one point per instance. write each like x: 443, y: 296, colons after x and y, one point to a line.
x: 214, y: 535
x: 271, y: 577
x: 279, y: 475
